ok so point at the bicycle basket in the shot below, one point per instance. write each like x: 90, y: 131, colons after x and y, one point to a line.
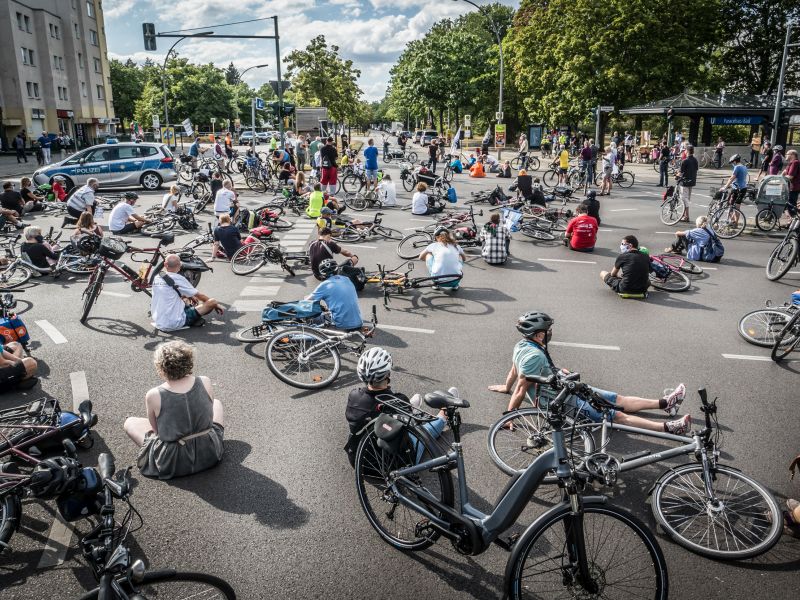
x: 185, y: 158
x: 112, y: 248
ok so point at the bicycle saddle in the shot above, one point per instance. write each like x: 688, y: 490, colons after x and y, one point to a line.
x: 439, y: 399
x: 166, y: 238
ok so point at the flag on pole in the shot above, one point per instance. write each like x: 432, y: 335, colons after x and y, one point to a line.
x: 456, y: 141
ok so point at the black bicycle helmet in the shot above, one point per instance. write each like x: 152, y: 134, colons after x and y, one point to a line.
x: 84, y: 498
x: 533, y: 322
x: 53, y: 476
x: 130, y: 196
x: 89, y: 244
x: 439, y: 231
x: 591, y: 194
x: 327, y: 268
x: 735, y: 158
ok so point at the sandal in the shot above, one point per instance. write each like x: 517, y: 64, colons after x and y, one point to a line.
x: 790, y: 526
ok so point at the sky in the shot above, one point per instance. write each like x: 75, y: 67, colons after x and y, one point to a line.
x: 372, y: 33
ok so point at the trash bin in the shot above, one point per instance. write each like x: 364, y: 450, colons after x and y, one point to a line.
x: 773, y: 191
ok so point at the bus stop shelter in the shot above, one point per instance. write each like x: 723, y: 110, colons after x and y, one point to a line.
x: 705, y: 110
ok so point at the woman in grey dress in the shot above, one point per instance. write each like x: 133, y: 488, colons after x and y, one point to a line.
x: 183, y: 431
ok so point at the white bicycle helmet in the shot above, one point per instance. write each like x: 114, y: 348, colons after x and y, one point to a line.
x: 374, y: 365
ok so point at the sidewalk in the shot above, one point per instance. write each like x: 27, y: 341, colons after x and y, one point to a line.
x: 10, y: 170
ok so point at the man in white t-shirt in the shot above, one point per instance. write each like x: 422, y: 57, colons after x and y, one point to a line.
x: 387, y: 191
x: 176, y: 303
x: 224, y: 200
x: 122, y: 219
x: 444, y: 257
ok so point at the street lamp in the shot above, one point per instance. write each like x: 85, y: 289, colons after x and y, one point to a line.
x: 779, y: 95
x: 496, y: 30
x: 164, y: 68
x: 239, y: 79
x: 252, y: 105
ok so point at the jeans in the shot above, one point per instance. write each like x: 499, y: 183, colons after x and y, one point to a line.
x: 754, y: 158
x: 432, y: 163
x: 432, y: 428
x: 590, y: 172
x: 663, y: 173
x: 46, y: 155
x: 21, y: 155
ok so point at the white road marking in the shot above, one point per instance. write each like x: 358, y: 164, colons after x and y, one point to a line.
x: 702, y: 205
x: 563, y: 260
x: 248, y: 305
x: 52, y: 332
x: 703, y: 195
x: 747, y: 357
x: 359, y: 246
x: 58, y: 542
x: 602, y: 229
x: 252, y: 290
x: 401, y: 328
x: 80, y: 388
x: 793, y: 273
x: 709, y: 268
x: 295, y: 236
x: 421, y: 220
x: 586, y: 346
x: 115, y: 294
x: 622, y: 209
x: 665, y: 232
x: 410, y: 228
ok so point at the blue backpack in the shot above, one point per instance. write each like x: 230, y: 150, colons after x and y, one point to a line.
x: 451, y: 195
x: 713, y: 251
x: 302, y: 309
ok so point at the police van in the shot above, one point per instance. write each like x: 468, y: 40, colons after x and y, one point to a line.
x: 125, y: 164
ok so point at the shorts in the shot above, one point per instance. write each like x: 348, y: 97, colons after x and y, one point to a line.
x: 192, y: 316
x: 74, y: 212
x: 11, y: 376
x: 328, y: 176
x: 129, y: 228
x: 586, y: 411
x: 562, y: 171
x: 372, y: 174
x: 615, y: 283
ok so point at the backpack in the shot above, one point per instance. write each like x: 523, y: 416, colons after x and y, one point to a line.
x: 355, y: 274
x: 713, y: 251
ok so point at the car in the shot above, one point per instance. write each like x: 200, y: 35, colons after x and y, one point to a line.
x: 246, y: 138
x: 264, y: 136
x: 124, y: 164
x: 407, y: 134
x: 417, y: 136
x: 427, y: 136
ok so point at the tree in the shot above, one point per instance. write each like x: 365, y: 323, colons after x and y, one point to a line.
x: 127, y: 80
x: 320, y: 77
x: 232, y: 74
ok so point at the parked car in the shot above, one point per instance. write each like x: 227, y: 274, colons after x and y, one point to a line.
x: 246, y: 137
x: 123, y: 164
x: 417, y: 136
x: 428, y: 135
x: 263, y: 136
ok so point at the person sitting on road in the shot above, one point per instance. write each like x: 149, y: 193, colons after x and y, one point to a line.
x: 444, y: 257
x: 532, y: 359
x: 59, y: 190
x: 315, y: 202
x: 421, y: 203
x: 285, y: 175
x: 476, y: 170
x: 13, y: 215
x: 86, y: 226
x: 581, y: 233
x: 631, y: 272
x: 365, y: 403
x: 699, y: 242
x: 184, y: 428
x: 324, y: 248
x: 505, y: 170
x: 225, y: 201
x: 35, y: 248
x: 32, y: 203
x: 387, y: 191
x: 496, y: 239
x: 456, y: 165
x: 17, y: 372
x: 122, y: 219
x: 82, y: 200
x: 339, y: 295
x: 524, y: 185
x: 11, y: 199
x: 176, y: 303
x: 169, y: 203
x: 228, y: 236
x: 301, y: 188
x: 491, y: 162
x: 592, y: 205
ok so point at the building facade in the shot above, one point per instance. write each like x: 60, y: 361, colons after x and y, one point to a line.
x: 54, y: 70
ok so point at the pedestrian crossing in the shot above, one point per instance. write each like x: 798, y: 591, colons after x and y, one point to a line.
x: 265, y: 284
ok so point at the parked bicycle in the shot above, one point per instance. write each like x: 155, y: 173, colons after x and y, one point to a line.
x: 785, y: 254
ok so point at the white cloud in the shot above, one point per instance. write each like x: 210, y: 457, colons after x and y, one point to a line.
x: 113, y: 9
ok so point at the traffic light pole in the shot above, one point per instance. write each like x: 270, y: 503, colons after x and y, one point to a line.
x: 253, y: 123
x: 280, y: 83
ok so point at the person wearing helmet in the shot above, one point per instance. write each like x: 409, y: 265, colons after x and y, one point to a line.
x: 366, y: 403
x: 339, y: 295
x: 123, y: 219
x: 444, y: 257
x: 531, y: 358
x: 776, y: 164
x: 738, y: 182
x: 324, y: 248
x: 592, y: 205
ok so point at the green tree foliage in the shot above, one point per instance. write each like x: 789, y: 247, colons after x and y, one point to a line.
x: 232, y: 74
x: 320, y: 77
x: 568, y: 56
x: 127, y: 80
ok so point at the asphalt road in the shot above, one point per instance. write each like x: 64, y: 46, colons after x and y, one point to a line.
x: 280, y: 516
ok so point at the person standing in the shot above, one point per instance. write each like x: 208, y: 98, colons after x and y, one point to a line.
x: 766, y: 158
x: 328, y: 157
x: 688, y: 174
x: 588, y: 165
x: 663, y: 166
x: 776, y: 164
x: 313, y: 148
x: 371, y: 164
x: 194, y: 151
x: 302, y: 153
x: 792, y: 172
x: 608, y: 169
x: 755, y: 146
x: 433, y: 150
x: 19, y: 145
x: 720, y: 148
x: 228, y: 145
x: 45, y: 143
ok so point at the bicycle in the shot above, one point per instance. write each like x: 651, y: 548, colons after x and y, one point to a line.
x: 251, y: 257
x: 623, y: 179
x: 413, y: 244
x: 672, y: 205
x: 668, y: 272
x: 695, y: 503
x: 728, y: 220
x: 709, y: 160
x: 525, y: 161
x: 787, y: 339
x: 399, y: 282
x: 762, y: 326
x: 183, y: 218
x: 359, y: 232
x: 785, y: 254
x: 406, y: 491
x: 309, y: 356
x: 767, y: 219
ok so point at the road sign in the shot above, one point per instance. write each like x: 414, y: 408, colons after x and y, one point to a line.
x: 467, y: 121
x: 500, y: 135
x: 149, y: 32
x: 607, y: 109
x: 187, y: 127
x: 259, y: 104
x: 498, y: 116
x: 156, y: 123
x: 284, y: 84
x: 168, y: 135
x: 213, y: 120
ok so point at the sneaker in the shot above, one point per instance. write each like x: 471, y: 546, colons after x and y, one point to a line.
x: 675, y: 399
x: 453, y: 391
x: 679, y: 426
x: 435, y: 287
x: 416, y: 401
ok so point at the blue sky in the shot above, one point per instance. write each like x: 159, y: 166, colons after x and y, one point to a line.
x: 372, y: 33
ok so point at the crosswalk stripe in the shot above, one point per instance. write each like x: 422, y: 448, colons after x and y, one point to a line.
x: 252, y: 290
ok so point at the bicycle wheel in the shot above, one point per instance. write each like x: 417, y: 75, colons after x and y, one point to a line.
x: 81, y: 265
x: 624, y: 558
x: 766, y: 220
x: 704, y: 161
x: 91, y: 293
x: 728, y: 222
x: 534, y: 232
x: 173, y: 585
x: 254, y: 334
x: 348, y: 234
x: 520, y: 436
x: 397, y: 524
x: 657, y: 166
x: 762, y: 326
x: 279, y: 224
x: 533, y: 163
x: 249, y: 258
x: 413, y: 244
x: 625, y: 179
x: 299, y: 358
x: 352, y: 183
x: 560, y: 224
x: 256, y: 184
x: 786, y: 339
x: 742, y: 521
x: 550, y: 178
x: 408, y: 183
x: 677, y: 261
x: 675, y: 281
x: 14, y: 276
x: 388, y: 233
x: 412, y: 157
x: 672, y: 210
x: 9, y: 518
x: 356, y: 201
x: 158, y: 227
x: 436, y: 280
x: 783, y: 258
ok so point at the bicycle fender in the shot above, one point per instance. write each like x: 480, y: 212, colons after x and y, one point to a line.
x: 673, y: 469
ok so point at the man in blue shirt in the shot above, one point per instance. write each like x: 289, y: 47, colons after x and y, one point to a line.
x: 194, y: 151
x: 371, y: 163
x: 45, y: 142
x: 738, y: 181
x: 339, y: 295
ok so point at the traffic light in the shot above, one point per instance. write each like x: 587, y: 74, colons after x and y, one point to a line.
x: 149, y: 31
x: 288, y: 109
x: 670, y: 114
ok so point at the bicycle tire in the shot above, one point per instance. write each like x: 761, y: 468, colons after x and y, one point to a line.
x: 766, y: 220
x: 284, y: 347
x: 348, y: 234
x: 254, y: 334
x: 413, y: 244
x: 435, y: 280
x: 159, y: 226
x: 602, y: 523
x: 14, y: 276
x: 388, y: 233
x: 372, y: 467
x: 256, y: 184
x: 724, y: 226
x: 560, y: 224
x: 168, y: 583
x: 279, y: 224
x: 761, y: 327
x: 357, y: 201
x: 679, y: 518
x: 10, y: 514
x: 91, y: 293
x: 533, y: 163
x: 516, y: 162
x: 657, y: 166
x: 412, y: 157
x: 780, y: 259
x: 672, y: 210
x: 550, y: 179
x: 675, y: 281
x: 625, y: 179
x: 447, y: 174
x: 81, y: 265
x: 249, y: 258
x: 352, y: 183
x: 677, y: 261
x: 534, y: 232
x: 783, y: 346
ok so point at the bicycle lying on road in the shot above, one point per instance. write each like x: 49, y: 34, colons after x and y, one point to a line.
x: 668, y: 272
x: 394, y: 281
x: 785, y: 255
x: 787, y: 339
x: 405, y: 488
x: 761, y: 327
x: 360, y: 232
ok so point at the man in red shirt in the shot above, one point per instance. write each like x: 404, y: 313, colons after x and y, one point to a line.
x: 581, y: 233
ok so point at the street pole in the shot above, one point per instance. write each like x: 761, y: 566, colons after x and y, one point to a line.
x: 280, y: 82
x: 597, y: 128
x: 779, y: 96
x: 253, y: 123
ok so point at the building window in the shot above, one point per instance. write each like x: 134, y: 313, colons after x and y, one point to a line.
x: 37, y: 113
x: 27, y: 23
x: 100, y: 92
x: 58, y: 63
x: 77, y: 31
x: 29, y: 85
x: 20, y: 22
x: 28, y: 57
x: 93, y: 37
x: 62, y: 93
x: 54, y: 32
x: 97, y: 66
x: 83, y: 89
x: 90, y: 8
x: 80, y: 60
x: 35, y: 90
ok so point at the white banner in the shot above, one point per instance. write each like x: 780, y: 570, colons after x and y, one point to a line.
x: 454, y: 145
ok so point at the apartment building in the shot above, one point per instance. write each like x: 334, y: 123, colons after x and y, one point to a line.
x: 54, y: 71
